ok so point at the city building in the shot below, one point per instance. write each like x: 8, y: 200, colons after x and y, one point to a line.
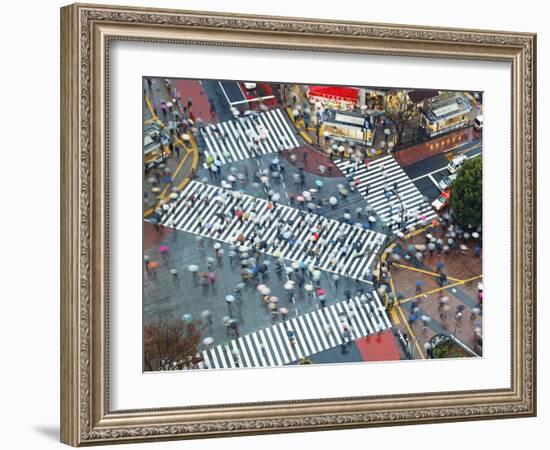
x: 419, y: 96
x: 334, y: 97
x: 446, y: 112
x: 347, y: 126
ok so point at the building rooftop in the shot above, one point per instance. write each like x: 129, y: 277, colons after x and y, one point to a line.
x: 341, y: 92
x: 347, y: 118
x: 446, y: 106
x: 420, y: 95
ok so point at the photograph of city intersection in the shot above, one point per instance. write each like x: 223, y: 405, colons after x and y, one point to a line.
x: 291, y: 224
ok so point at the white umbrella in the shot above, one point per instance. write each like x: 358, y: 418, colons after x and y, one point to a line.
x: 308, y: 287
x: 229, y: 298
x: 208, y: 341
x: 193, y: 268
x: 289, y: 285
x: 261, y: 287
x: 333, y: 201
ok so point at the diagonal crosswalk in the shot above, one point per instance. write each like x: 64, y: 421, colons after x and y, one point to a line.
x: 376, y: 183
x: 314, y: 332
x: 286, y: 232
x: 248, y: 136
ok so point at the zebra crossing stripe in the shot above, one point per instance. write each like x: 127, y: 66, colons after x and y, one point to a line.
x: 218, y: 222
x: 312, y: 319
x: 310, y: 336
x: 274, y: 347
x: 212, y: 356
x: 375, y: 177
x: 364, y: 316
x: 244, y: 351
x: 235, y: 141
x: 286, y: 340
x: 252, y: 353
x: 381, y: 310
x: 284, y: 354
x: 260, y: 353
x: 206, y: 360
x: 317, y: 347
x: 268, y: 352
x: 301, y: 338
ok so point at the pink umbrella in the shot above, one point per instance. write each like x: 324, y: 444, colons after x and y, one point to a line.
x: 300, y: 198
x: 163, y: 249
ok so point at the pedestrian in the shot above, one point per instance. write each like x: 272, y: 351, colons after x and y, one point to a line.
x: 212, y: 278
x: 147, y: 261
x: 207, y: 316
x: 175, y: 277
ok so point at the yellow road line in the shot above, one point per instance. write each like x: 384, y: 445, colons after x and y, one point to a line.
x: 306, y: 136
x: 180, y: 165
x: 392, y: 312
x: 411, y: 332
x: 150, y: 107
x: 427, y: 272
x: 433, y: 291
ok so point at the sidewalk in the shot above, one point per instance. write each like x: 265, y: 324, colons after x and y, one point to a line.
x: 442, y: 144
x: 176, y: 171
x: 200, y: 106
x: 464, y: 272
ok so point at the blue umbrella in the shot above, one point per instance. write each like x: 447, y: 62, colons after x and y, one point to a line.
x: 419, y: 283
x: 319, y: 183
x: 187, y: 318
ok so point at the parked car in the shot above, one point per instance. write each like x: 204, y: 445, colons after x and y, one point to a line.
x: 441, y: 201
x: 446, y: 182
x: 456, y: 163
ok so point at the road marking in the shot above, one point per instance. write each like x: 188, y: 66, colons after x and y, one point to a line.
x: 411, y: 332
x: 427, y: 272
x: 434, y: 182
x: 224, y: 93
x: 393, y: 314
x: 434, y: 291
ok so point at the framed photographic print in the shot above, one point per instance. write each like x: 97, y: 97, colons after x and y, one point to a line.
x: 281, y: 224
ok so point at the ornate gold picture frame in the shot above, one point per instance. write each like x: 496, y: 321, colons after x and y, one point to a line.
x: 86, y: 34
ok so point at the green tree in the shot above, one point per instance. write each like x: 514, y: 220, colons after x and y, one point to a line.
x: 467, y: 194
